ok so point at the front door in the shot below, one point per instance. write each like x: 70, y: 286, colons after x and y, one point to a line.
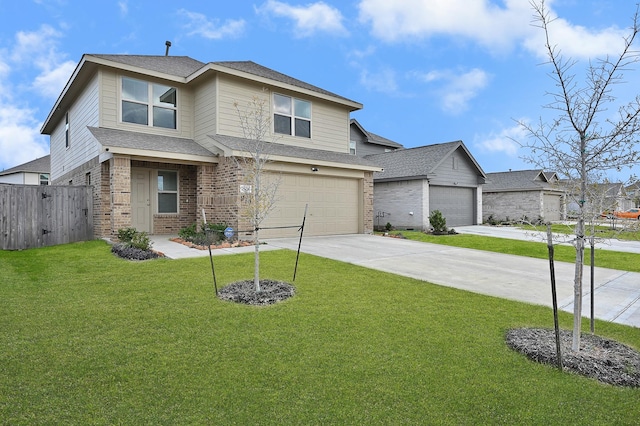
x: 141, y: 200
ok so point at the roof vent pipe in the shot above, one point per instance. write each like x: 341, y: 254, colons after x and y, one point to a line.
x: 168, y: 44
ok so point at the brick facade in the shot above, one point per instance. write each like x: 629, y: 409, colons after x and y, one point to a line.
x: 368, y: 203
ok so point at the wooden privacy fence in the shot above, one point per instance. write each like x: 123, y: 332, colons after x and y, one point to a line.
x: 37, y: 216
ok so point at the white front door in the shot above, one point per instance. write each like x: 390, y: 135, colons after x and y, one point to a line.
x: 141, y: 200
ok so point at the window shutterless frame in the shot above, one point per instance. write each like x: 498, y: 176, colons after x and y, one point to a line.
x: 291, y: 116
x: 168, y: 191
x: 148, y: 104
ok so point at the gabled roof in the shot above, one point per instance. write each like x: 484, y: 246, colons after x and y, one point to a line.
x: 520, y: 180
x: 376, y: 139
x: 39, y: 165
x: 420, y: 162
x: 234, y: 146
x: 180, y: 69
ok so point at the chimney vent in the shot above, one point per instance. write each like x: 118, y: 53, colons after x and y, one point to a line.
x: 168, y: 44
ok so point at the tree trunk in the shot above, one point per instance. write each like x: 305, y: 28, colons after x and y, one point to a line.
x: 577, y: 286
x: 256, y: 265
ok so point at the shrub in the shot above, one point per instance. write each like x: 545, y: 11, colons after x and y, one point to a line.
x: 388, y: 226
x: 187, y: 232
x: 131, y: 237
x: 438, y: 222
x: 125, y: 235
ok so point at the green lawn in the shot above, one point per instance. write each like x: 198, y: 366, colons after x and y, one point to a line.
x: 625, y: 230
x: 603, y: 258
x: 88, y: 338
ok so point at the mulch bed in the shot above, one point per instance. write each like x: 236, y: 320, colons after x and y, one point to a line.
x: 225, y: 244
x: 599, y: 358
x: 245, y: 292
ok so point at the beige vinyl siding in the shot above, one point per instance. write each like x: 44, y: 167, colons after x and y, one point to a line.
x: 83, y: 147
x: 111, y: 100
x: 329, y: 121
x: 205, y: 111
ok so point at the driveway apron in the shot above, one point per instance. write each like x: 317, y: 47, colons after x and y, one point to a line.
x: 617, y: 293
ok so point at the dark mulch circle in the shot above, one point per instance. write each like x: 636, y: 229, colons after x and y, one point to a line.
x: 245, y: 292
x: 599, y: 358
x: 131, y: 253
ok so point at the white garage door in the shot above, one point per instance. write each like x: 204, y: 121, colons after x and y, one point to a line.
x: 334, y: 206
x: 552, y: 207
x: 456, y: 204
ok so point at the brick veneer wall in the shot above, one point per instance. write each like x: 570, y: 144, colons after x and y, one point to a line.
x: 368, y: 203
x: 168, y: 223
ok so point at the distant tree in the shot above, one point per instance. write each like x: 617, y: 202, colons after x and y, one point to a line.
x: 585, y: 139
x: 258, y: 190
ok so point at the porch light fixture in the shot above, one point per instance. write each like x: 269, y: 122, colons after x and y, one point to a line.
x: 314, y: 169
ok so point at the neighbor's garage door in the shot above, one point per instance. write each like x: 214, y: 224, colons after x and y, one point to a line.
x: 552, y: 207
x: 457, y: 205
x: 334, y: 206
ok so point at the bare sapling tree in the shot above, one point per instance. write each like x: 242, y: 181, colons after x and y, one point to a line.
x: 585, y: 140
x: 258, y: 189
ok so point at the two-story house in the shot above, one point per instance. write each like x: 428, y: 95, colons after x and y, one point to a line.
x: 157, y: 138
x: 364, y: 142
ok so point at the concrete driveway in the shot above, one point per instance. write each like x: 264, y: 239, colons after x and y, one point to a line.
x: 617, y: 293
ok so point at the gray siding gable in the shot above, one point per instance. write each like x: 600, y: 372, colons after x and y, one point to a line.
x: 421, y: 162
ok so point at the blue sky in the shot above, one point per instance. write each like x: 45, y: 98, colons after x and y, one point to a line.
x: 427, y: 71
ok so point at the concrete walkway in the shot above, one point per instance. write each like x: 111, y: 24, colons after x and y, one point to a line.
x: 617, y: 293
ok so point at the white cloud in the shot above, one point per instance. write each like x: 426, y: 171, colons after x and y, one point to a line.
x: 124, y: 7
x: 504, y: 141
x: 20, y: 139
x: 482, y: 21
x: 310, y: 19
x: 456, y: 90
x: 39, y: 49
x: 51, y: 81
x: 199, y: 24
x: 384, y: 81
x: 497, y: 26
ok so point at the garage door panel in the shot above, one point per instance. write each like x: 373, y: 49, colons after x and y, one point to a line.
x: 456, y: 204
x: 334, y: 206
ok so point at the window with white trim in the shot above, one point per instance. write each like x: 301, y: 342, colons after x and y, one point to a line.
x: 167, y: 191
x: 149, y: 104
x: 291, y: 116
x: 66, y: 130
x: 352, y: 147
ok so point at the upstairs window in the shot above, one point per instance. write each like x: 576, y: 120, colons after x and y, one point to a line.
x: 291, y: 116
x: 352, y: 147
x: 148, y: 104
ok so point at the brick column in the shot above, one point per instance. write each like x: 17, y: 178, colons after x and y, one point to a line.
x: 120, y: 190
x: 205, y: 193
x: 367, y: 185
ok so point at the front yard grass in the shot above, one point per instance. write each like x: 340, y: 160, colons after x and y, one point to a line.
x: 625, y: 229
x: 603, y: 258
x: 89, y: 338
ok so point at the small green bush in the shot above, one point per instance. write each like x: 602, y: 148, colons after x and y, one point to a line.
x: 187, y: 232
x: 125, y: 235
x: 438, y: 222
x: 141, y: 241
x: 388, y: 226
x: 130, y: 237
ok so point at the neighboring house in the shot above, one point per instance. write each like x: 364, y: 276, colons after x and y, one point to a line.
x: 35, y: 172
x: 156, y: 136
x: 363, y: 142
x: 601, y: 197
x: 416, y: 181
x: 633, y: 192
x: 523, y: 194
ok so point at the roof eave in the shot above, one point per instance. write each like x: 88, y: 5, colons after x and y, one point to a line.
x: 212, y: 67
